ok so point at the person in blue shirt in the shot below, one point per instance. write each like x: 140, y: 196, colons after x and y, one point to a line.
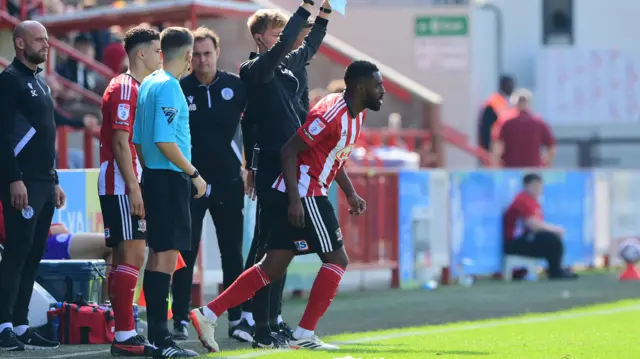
x: 169, y: 180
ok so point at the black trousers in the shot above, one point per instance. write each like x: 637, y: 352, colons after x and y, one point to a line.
x: 266, y: 305
x: 27, y: 233
x: 542, y: 244
x: 225, y: 204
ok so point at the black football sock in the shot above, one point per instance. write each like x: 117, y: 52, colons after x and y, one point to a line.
x: 156, y: 291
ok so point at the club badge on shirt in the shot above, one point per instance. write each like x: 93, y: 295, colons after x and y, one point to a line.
x: 123, y: 111
x: 27, y: 212
x: 227, y: 93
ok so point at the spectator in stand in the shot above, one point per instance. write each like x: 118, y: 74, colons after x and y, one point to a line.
x: 336, y: 86
x: 316, y: 95
x: 521, y: 138
x: 115, y: 58
x: 76, y: 71
x: 527, y: 234
x: 493, y: 107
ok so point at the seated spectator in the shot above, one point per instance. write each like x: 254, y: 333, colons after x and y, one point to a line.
x: 76, y: 71
x: 527, y: 234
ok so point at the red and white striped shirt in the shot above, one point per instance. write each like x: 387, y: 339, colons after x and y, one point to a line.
x: 331, y: 134
x: 118, y: 113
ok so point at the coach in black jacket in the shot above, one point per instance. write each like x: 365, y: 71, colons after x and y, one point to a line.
x: 271, y: 118
x: 29, y: 188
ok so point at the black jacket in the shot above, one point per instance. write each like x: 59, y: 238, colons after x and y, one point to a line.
x: 273, y: 110
x: 27, y: 126
x: 215, y: 110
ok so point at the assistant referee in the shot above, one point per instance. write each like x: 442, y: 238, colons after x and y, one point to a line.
x: 29, y: 188
x: 161, y: 133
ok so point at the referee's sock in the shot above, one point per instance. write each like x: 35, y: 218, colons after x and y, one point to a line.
x: 246, y: 286
x: 156, y: 290
x: 323, y: 291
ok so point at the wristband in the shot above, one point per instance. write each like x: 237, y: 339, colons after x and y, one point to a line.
x: 310, y: 2
x: 325, y: 10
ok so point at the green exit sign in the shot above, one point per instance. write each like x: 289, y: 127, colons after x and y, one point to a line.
x: 442, y: 25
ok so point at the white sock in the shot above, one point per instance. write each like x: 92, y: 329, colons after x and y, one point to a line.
x: 4, y: 326
x: 20, y: 329
x: 209, y: 314
x: 280, y: 320
x: 300, y: 333
x: 125, y: 335
x: 248, y: 316
x: 234, y: 322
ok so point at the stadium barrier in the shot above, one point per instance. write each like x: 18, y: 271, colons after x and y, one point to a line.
x: 422, y: 223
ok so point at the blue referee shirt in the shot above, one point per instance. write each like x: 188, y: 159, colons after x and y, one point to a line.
x: 162, y: 115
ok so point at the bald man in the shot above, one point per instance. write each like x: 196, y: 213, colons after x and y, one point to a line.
x: 29, y: 186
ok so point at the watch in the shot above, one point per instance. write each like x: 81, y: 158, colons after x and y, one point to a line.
x: 195, y: 174
x: 325, y: 10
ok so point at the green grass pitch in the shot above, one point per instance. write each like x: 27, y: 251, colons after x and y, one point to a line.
x: 609, y: 331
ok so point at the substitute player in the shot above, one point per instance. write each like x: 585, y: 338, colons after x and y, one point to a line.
x: 119, y: 188
x: 271, y: 118
x: 161, y: 131
x: 303, y: 219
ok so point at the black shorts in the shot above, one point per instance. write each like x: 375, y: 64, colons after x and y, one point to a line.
x: 321, y: 233
x: 167, y: 197
x: 119, y: 224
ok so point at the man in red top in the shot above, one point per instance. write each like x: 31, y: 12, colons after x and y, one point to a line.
x: 519, y: 136
x: 118, y: 185
x: 527, y: 234
x: 304, y: 220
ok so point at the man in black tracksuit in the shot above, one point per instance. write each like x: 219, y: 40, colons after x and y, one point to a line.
x: 300, y: 72
x: 271, y: 118
x: 29, y: 187
x: 216, y: 101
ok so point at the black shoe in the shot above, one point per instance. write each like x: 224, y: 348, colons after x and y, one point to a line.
x: 564, y: 275
x: 180, y: 331
x: 33, y: 341
x: 134, y: 346
x: 272, y: 341
x: 169, y: 349
x: 9, y: 341
x: 286, y: 331
x: 243, y: 332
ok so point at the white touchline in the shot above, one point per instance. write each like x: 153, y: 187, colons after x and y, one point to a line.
x: 546, y: 318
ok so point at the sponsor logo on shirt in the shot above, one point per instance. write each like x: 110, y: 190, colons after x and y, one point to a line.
x: 170, y: 113
x: 344, y: 153
x: 301, y: 245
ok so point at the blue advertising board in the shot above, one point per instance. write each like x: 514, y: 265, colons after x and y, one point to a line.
x: 414, y: 233
x: 479, y: 198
